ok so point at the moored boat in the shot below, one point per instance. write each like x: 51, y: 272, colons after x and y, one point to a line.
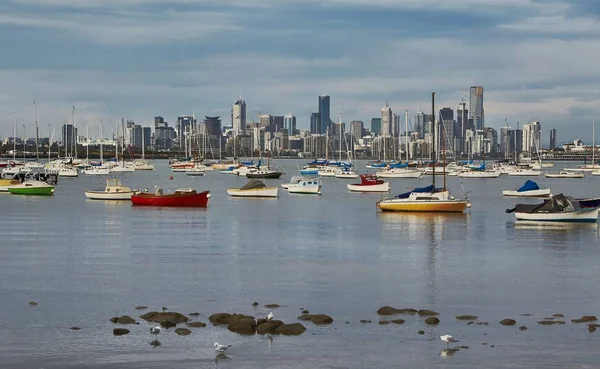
x: 254, y: 188
x: 293, y: 181
x: 559, y: 208
x: 182, y: 197
x: 529, y: 189
x: 306, y: 186
x: 264, y: 173
x: 369, y: 183
x: 6, y: 183
x: 32, y: 187
x: 114, y: 190
x: 196, y: 172
x: 565, y: 174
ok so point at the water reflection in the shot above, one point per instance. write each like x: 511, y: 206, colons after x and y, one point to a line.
x: 446, y: 353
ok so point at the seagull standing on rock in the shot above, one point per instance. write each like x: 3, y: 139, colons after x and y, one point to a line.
x: 221, y: 348
x: 448, y: 339
x: 155, y: 331
x: 270, y: 316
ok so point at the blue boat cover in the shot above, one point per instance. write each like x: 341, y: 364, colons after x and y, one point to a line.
x: 528, y: 186
x: 247, y: 162
x: 399, y: 165
x: 419, y: 190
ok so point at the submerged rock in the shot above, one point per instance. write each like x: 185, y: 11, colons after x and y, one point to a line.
x: 558, y: 315
x: 157, y: 317
x: 427, y: 312
x: 466, y: 317
x: 74, y: 328
x: 508, y: 322
x: 141, y: 307
x: 384, y: 322
x: 421, y: 332
x: 220, y: 318
x: 196, y: 325
x: 33, y: 303
x: 546, y: 322
x: 183, y: 332
x: 319, y: 319
x: 398, y: 321
x: 585, y: 318
x: 168, y: 324
x: 388, y: 310
x: 120, y: 331
x: 432, y: 320
x: 305, y: 311
x: 243, y: 326
x: 365, y: 321
x: 272, y: 306
x: 592, y: 327
x: 269, y: 327
x: 293, y: 329
x: 523, y: 328
x: 194, y: 314
x: 125, y: 319
x: 255, y: 304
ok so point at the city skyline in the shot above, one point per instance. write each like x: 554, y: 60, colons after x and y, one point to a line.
x: 139, y: 59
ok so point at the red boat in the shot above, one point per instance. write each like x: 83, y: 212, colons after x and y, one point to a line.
x: 369, y: 183
x: 185, y: 197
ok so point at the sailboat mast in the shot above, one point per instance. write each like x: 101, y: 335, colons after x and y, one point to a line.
x: 50, y: 137
x: 37, y: 135
x: 143, y: 146
x: 74, y: 135
x: 406, y: 132
x: 101, y: 140
x: 87, y: 142
x: 593, y: 142
x: 15, y: 141
x: 433, y: 127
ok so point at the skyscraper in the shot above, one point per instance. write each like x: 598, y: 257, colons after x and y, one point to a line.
x: 185, y: 123
x: 315, y: 123
x: 553, y: 139
x: 69, y: 136
x: 395, y: 125
x: 420, y: 123
x: 462, y: 124
x: 386, y: 120
x: 238, y: 117
x: 447, y: 134
x: 289, y: 123
x: 476, y: 112
x: 324, y: 113
x: 356, y: 128
x: 213, y: 125
x: 278, y: 122
x: 375, y: 126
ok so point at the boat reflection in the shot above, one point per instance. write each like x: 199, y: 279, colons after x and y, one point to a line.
x: 537, y: 225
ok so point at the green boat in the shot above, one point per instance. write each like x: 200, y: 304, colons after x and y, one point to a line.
x: 38, y: 188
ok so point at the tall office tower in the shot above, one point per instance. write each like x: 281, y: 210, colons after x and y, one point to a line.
x: 420, y: 123
x: 356, y: 129
x: 395, y: 125
x: 462, y: 124
x: 324, y: 113
x: 447, y: 134
x: 289, y: 123
x: 375, y: 126
x: 476, y: 112
x: 386, y: 120
x: 213, y: 125
x: 185, y: 123
x: 238, y: 117
x: 315, y: 123
x: 553, y: 139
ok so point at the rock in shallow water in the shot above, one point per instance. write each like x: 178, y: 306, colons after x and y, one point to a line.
x: 74, y: 328
x: 168, y: 324
x: 508, y: 322
x: 388, y: 310
x: 120, y: 331
x: 272, y: 306
x: 33, y: 303
x: 157, y: 317
x: 269, y: 327
x: 319, y: 319
x: 384, y: 322
x: 585, y: 318
x: 466, y: 317
x: 432, y: 320
x: 183, y: 332
x: 196, y: 324
x: 523, y: 328
x: 141, y: 307
x: 194, y: 314
x: 293, y: 329
x: 427, y: 313
x: 125, y: 319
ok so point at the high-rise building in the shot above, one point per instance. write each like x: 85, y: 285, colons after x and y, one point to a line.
x: 324, y: 112
x: 238, y: 117
x: 553, y: 139
x: 386, y: 120
x: 69, y: 136
x: 462, y: 124
x: 532, y: 136
x: 375, y: 126
x: 163, y: 134
x: 315, y: 123
x: 447, y: 134
x: 266, y: 120
x: 395, y: 125
x: 420, y: 123
x: 185, y: 123
x: 278, y: 122
x: 289, y: 123
x: 356, y: 128
x: 213, y: 125
x: 476, y: 112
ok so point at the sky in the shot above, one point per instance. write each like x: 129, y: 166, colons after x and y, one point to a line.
x: 538, y: 60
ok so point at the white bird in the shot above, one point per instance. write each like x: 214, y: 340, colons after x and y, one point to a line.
x: 448, y: 339
x: 155, y: 331
x: 221, y: 348
x: 270, y: 316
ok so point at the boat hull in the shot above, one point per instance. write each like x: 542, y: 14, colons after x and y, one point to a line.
x: 198, y: 200
x: 433, y: 206
x: 399, y: 174
x: 102, y: 195
x: 585, y: 216
x: 307, y: 190
x: 273, y: 175
x: 477, y: 174
x: 254, y: 192
x: 566, y: 175
x: 32, y: 191
x: 544, y: 192
x: 383, y: 187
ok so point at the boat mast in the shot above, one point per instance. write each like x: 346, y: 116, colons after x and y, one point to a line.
x: 406, y: 133
x: 101, y: 140
x: 15, y: 141
x: 37, y: 135
x: 87, y: 142
x: 593, y: 142
x: 74, y: 137
x: 50, y: 137
x: 24, y: 142
x: 340, y: 127
x: 433, y: 136
x: 143, y: 146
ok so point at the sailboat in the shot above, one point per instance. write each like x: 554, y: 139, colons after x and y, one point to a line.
x: 129, y: 167
x: 430, y: 198
x: 346, y: 171
x: 100, y: 170
x: 401, y: 170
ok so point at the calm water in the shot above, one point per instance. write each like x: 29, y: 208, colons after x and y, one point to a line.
x: 85, y: 261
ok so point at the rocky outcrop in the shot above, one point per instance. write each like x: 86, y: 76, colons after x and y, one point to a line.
x: 293, y: 329
x: 272, y: 306
x: 585, y: 319
x: 194, y: 314
x: 168, y: 324
x: 125, y: 319
x: 120, y: 331
x: 33, y: 303
x: 158, y: 317
x: 384, y: 322
x: 508, y: 322
x: 398, y: 321
x: 268, y: 327
x: 196, y: 324
x: 388, y: 310
x: 523, y: 328
x: 243, y: 326
x: 319, y: 319
x: 427, y: 313
x: 432, y: 320
x: 141, y: 307
x: 466, y: 317
x: 183, y: 332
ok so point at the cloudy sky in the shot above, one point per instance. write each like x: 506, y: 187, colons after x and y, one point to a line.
x: 537, y: 59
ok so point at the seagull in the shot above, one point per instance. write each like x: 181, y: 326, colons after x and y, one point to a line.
x: 221, y: 348
x: 448, y: 339
x: 155, y: 331
x: 270, y: 316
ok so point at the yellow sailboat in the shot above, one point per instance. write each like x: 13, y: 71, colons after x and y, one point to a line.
x: 426, y: 199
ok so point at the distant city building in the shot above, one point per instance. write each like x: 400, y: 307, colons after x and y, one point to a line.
x: 163, y: 134
x: 476, y: 112
x: 376, y: 126
x: 315, y: 145
x: 462, y: 124
x: 213, y: 125
x: 185, y: 123
x: 315, y: 123
x: 356, y: 129
x: 531, y: 137
x: 420, y: 123
x: 238, y: 116
x: 553, y: 139
x: 278, y: 122
x: 266, y: 120
x: 386, y: 120
x: 289, y: 123
x: 447, y: 134
x: 138, y: 135
x: 69, y: 136
x: 324, y: 113
x: 395, y: 125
